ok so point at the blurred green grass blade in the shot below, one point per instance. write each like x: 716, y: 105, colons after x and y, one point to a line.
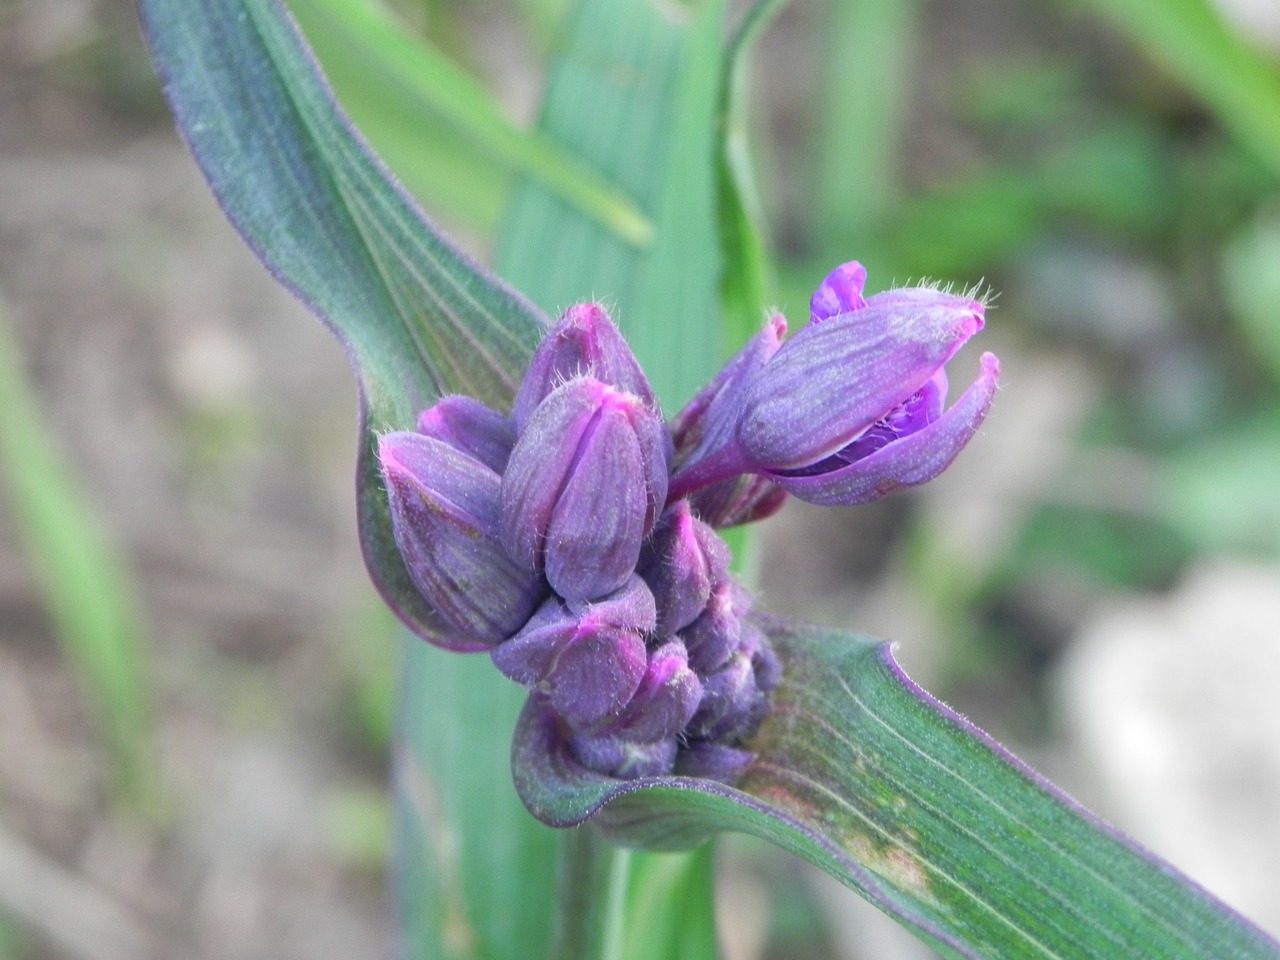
x: 1190, y: 39
x: 865, y: 69
x: 1250, y: 264
x: 473, y: 868
x: 453, y: 175
x: 417, y: 317
x: 748, y: 286
x: 635, y: 91
x: 590, y: 910
x: 414, y: 77
x: 671, y: 906
x: 866, y: 776
x: 1220, y: 493
x: 83, y: 577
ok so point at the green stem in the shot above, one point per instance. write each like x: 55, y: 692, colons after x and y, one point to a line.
x: 593, y: 879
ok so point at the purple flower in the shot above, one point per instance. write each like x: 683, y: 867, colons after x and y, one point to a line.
x: 444, y: 516
x: 854, y: 406
x: 707, y: 460
x: 643, y: 739
x: 468, y: 425
x: 588, y: 660
x: 575, y: 538
x: 681, y: 562
x: 584, y: 486
x: 583, y: 343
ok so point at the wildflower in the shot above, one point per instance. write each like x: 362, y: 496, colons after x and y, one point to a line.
x: 444, y: 516
x: 854, y: 406
x: 584, y: 342
x: 588, y: 659
x: 584, y: 486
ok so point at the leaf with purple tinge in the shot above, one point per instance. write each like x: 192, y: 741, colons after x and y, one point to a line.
x: 417, y: 318
x: 862, y: 773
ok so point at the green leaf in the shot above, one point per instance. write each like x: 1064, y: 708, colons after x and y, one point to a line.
x: 671, y: 906
x: 635, y: 91
x: 83, y: 577
x: 474, y: 869
x: 417, y: 317
x: 457, y: 179
x: 867, y: 68
x: 748, y: 286
x: 862, y: 773
x: 1236, y: 80
x: 402, y: 77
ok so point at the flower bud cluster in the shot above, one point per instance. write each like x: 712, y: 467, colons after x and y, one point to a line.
x: 546, y: 538
x: 574, y: 539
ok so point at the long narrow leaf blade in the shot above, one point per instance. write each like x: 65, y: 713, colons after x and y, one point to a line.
x: 635, y: 92
x: 82, y: 576
x: 417, y: 317
x: 1193, y: 42
x: 424, y: 77
x: 862, y: 773
x: 474, y: 869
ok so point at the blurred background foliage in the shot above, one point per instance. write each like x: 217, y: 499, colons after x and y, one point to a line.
x: 1110, y: 167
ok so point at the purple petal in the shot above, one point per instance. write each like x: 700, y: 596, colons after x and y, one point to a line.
x: 840, y: 292
x: 713, y: 761
x: 684, y: 558
x: 706, y: 448
x: 530, y: 656
x: 444, y: 517
x: 912, y: 460
x: 833, y: 380
x: 584, y: 342
x: 717, y: 633
x: 624, y: 759
x: 583, y: 487
x: 595, y: 674
x: 666, y: 700
x: 742, y: 499
x: 539, y: 466
x: 468, y: 425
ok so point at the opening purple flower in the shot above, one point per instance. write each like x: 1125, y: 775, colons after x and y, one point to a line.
x: 854, y: 406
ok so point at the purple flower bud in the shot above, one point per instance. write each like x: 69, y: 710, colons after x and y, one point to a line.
x: 468, y: 425
x: 584, y: 486
x: 681, y: 562
x: 666, y: 700
x: 851, y: 408
x: 717, y: 633
x: 444, y: 516
x: 625, y: 759
x: 765, y: 663
x: 713, y: 761
x: 840, y: 292
x: 642, y: 742
x: 732, y: 704
x: 587, y: 662
x: 583, y: 343
x: 706, y: 446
